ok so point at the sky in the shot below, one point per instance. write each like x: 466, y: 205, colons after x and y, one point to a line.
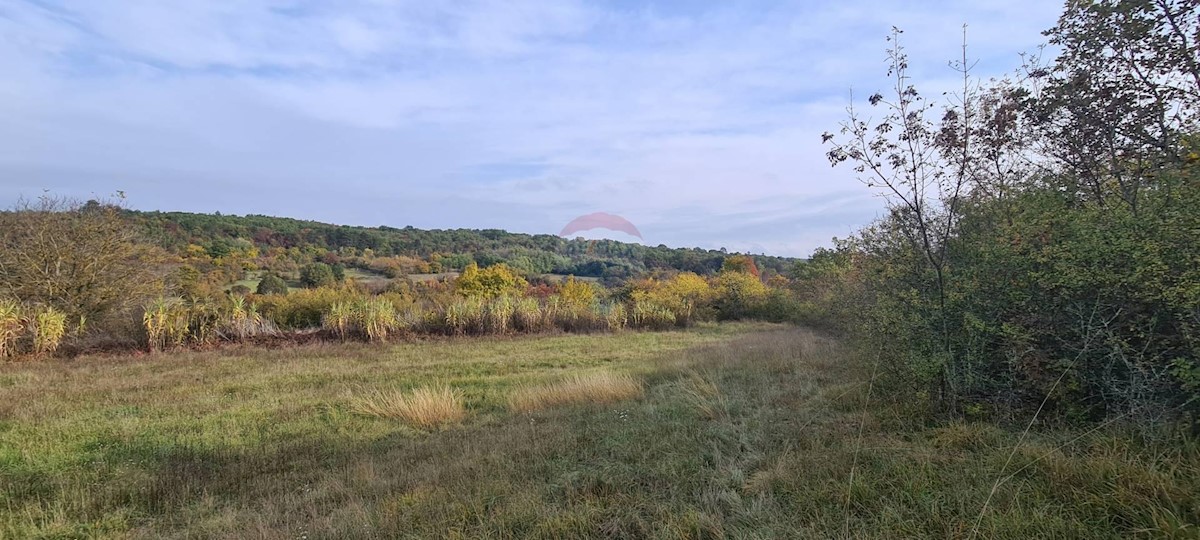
x: 699, y: 122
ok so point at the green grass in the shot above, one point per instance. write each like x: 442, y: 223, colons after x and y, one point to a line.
x: 253, y: 278
x: 743, y: 430
x: 366, y: 276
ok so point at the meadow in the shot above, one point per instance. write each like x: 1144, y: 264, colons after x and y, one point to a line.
x: 743, y: 430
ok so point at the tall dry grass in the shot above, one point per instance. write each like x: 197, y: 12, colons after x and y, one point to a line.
x: 49, y: 327
x: 590, y: 388
x: 423, y: 408
x: 10, y: 327
x: 166, y: 323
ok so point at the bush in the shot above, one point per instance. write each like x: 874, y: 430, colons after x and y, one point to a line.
x: 739, y: 295
x: 317, y: 274
x: 84, y: 260
x: 305, y: 308
x: 272, y: 284
x: 490, y: 282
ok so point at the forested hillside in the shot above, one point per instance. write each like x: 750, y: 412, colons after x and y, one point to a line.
x: 445, y: 250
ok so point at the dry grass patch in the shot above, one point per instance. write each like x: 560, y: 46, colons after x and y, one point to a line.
x: 591, y: 388
x: 423, y: 408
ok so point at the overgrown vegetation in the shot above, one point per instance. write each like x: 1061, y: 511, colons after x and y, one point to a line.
x: 1013, y: 351
x: 737, y: 431
x: 1040, y: 251
x: 119, y: 290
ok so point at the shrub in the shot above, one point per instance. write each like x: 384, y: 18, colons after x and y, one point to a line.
x: 424, y: 408
x: 317, y: 274
x: 83, y: 259
x: 594, y: 388
x: 272, y: 284
x: 305, y: 308
x: 577, y: 295
x: 490, y: 282
x: 739, y: 295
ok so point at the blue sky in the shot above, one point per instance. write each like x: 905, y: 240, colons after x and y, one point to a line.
x: 700, y: 122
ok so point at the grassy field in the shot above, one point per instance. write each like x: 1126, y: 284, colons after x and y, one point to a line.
x: 736, y: 430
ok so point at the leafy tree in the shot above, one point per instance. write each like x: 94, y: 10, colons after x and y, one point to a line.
x: 738, y: 295
x: 489, y: 282
x: 272, y: 284
x: 317, y: 274
x: 1036, y: 252
x: 577, y: 294
x: 740, y: 263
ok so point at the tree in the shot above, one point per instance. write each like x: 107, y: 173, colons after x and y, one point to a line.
x: 740, y: 263
x: 317, y: 274
x: 272, y: 284
x: 82, y: 259
x: 577, y: 294
x: 1121, y: 95
x: 489, y: 282
x: 738, y: 295
x: 923, y: 170
x: 684, y: 294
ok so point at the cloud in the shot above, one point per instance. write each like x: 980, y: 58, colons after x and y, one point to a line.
x: 698, y: 122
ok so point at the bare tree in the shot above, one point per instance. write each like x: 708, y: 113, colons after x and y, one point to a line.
x: 83, y: 259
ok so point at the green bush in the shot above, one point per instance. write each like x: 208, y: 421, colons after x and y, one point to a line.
x: 272, y: 284
x: 317, y: 274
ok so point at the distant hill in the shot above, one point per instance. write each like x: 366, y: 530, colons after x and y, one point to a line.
x: 453, y: 248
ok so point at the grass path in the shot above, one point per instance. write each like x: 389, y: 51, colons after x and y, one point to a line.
x: 742, y: 430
